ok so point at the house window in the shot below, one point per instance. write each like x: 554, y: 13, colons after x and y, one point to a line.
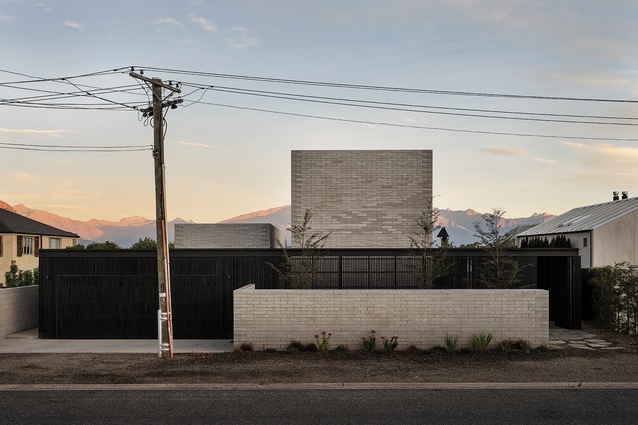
x: 27, y: 245
x: 584, y: 242
x: 55, y: 243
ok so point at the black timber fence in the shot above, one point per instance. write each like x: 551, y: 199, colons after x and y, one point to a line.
x: 95, y: 294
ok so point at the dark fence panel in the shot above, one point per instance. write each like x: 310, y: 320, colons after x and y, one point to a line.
x: 113, y: 294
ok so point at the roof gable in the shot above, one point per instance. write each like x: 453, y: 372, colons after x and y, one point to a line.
x: 584, y: 218
x: 11, y: 222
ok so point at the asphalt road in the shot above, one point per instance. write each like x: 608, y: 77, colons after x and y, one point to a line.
x: 321, y: 406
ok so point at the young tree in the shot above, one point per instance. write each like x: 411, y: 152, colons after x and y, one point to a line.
x: 424, y: 266
x: 500, y: 269
x: 103, y: 245
x: 299, y: 271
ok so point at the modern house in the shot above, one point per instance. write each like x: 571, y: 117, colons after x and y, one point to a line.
x: 605, y: 234
x: 366, y: 198
x: 229, y: 235
x: 22, y: 238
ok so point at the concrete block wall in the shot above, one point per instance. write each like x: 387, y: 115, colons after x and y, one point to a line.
x: 18, y: 309
x: 367, y: 198
x: 228, y: 235
x: 273, y: 318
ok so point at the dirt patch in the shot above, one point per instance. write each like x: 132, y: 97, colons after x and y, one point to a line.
x: 560, y: 365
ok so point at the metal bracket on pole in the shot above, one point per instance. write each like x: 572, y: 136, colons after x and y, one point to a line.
x: 161, y: 317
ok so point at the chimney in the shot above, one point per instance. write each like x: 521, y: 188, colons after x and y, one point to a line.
x: 615, y: 198
x: 625, y: 194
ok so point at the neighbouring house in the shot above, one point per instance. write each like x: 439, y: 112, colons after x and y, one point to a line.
x: 605, y: 234
x: 229, y: 235
x: 22, y: 238
x: 366, y: 198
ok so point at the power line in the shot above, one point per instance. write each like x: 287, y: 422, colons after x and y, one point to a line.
x: 74, y: 148
x: 455, y: 130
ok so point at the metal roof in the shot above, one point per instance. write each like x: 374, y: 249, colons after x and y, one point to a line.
x: 584, y: 218
x: 15, y: 223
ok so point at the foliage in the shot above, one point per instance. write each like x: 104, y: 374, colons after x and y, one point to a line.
x: 16, y: 277
x: 149, y: 243
x: 103, y: 245
x: 451, y: 342
x: 342, y: 348
x: 270, y: 350
x: 615, y: 293
x: 246, y: 346
x: 424, y: 265
x: 78, y: 246
x: 560, y: 241
x: 295, y: 346
x: 311, y: 347
x: 500, y: 269
x: 323, y: 341
x: 390, y: 344
x: 299, y: 272
x: 370, y: 343
x: 480, y: 341
x: 515, y: 345
x: 412, y: 349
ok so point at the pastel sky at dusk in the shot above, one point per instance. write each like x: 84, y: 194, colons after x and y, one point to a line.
x: 228, y: 153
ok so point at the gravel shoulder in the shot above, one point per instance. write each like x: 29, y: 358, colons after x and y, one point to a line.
x: 566, y: 364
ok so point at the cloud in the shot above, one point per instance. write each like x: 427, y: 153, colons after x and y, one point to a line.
x: 546, y: 161
x: 5, y: 18
x: 23, y: 177
x: 506, y: 151
x: 241, y: 39
x: 605, y: 153
x: 204, y: 23
x: 197, y: 145
x: 31, y: 132
x: 196, y: 2
x: 72, y: 24
x: 166, y: 21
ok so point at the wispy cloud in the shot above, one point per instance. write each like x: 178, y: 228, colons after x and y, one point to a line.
x: 5, y: 18
x: 546, y: 161
x: 31, y: 132
x: 166, y: 21
x: 72, y: 24
x: 606, y: 154
x: 44, y: 7
x: 23, y: 177
x: 506, y: 151
x: 204, y: 23
x: 241, y: 39
x: 197, y: 145
x: 196, y: 2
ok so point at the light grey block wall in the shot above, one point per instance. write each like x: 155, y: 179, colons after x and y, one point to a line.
x: 367, y: 198
x: 270, y: 318
x: 18, y: 309
x: 228, y: 235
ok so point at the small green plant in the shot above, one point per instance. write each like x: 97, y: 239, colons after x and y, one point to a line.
x: 342, y: 348
x: 480, y: 341
x: 390, y: 344
x: 515, y: 345
x: 370, y: 343
x: 295, y: 347
x: 270, y: 350
x: 323, y: 341
x: 451, y: 342
x: 246, y: 346
x: 310, y: 347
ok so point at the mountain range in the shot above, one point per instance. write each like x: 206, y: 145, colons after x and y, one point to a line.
x: 459, y: 224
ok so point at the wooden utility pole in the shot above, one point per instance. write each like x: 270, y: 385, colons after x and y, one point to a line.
x: 164, y: 316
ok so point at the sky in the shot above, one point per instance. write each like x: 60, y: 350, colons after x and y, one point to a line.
x: 228, y: 153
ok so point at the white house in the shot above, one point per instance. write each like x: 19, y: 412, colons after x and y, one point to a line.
x: 605, y: 234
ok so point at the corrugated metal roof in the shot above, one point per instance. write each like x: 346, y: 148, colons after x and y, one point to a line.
x: 15, y: 223
x: 584, y: 218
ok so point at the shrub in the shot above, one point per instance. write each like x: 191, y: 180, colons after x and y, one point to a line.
x: 480, y: 341
x: 270, y: 350
x: 295, y: 346
x: 342, y: 348
x: 310, y: 347
x: 323, y: 341
x: 246, y: 346
x: 615, y: 295
x: 16, y: 277
x: 451, y: 342
x: 412, y: 349
x: 391, y: 343
x: 370, y: 344
x: 515, y: 345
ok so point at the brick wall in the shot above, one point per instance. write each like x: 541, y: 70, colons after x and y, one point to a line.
x: 367, y: 198
x: 18, y: 309
x: 274, y: 318
x: 228, y: 235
